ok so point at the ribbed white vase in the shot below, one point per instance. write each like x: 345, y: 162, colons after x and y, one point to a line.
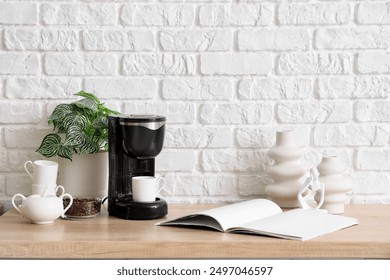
x: 286, y: 172
x: 336, y: 184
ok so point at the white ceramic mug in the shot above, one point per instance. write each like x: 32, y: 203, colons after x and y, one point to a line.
x: 146, y: 188
x: 47, y: 190
x: 43, y: 171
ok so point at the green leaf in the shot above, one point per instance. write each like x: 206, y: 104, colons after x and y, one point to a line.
x: 88, y: 95
x: 75, y: 119
x: 58, y: 115
x: 89, y: 147
x: 106, y: 111
x: 50, y: 145
x: 75, y: 136
x: 87, y: 104
x: 66, y: 152
x: 61, y: 111
x: 100, y: 122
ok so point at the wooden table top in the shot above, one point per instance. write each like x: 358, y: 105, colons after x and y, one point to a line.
x: 105, y: 237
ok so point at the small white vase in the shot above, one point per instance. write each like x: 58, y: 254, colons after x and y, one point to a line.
x: 286, y: 172
x: 336, y: 184
x: 85, y: 176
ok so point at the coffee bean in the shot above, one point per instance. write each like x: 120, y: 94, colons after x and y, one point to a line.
x: 83, y: 207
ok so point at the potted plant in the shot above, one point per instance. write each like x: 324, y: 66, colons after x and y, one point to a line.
x: 80, y: 127
x: 79, y: 144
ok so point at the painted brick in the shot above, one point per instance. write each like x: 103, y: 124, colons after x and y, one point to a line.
x: 64, y: 64
x: 349, y: 87
x: 371, y: 159
x: 363, y: 183
x: 1, y: 89
x: 158, y: 64
x: 273, y: 39
x: 314, y: 112
x: 19, y: 64
x: 371, y: 87
x: 239, y: 113
x: 314, y: 63
x: 116, y: 40
x: 281, y: 88
x: 42, y: 88
x: 122, y: 88
x: 235, y: 64
x: 185, y: 184
x: 314, y: 13
x: 197, y: 89
x: 18, y: 184
x: 100, y: 64
x: 3, y: 160
x: 79, y: 14
x: 17, y: 112
x: 353, y: 135
x: 313, y: 156
x: 18, y: 13
x: 193, y: 137
x: 1, y: 40
x: 335, y: 87
x: 45, y: 39
x: 229, y: 160
x: 373, y: 13
x: 197, y: 40
x: 253, y: 184
x: 378, y: 111
x: 220, y: 185
x: 236, y: 14
x: 373, y: 63
x: 175, y: 112
x: 158, y: 15
x: 79, y: 64
x: 176, y: 160
x: 353, y: 38
x: 25, y: 137
x: 254, y: 137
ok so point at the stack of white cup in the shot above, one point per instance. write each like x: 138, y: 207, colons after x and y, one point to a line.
x: 44, y: 176
x: 43, y: 206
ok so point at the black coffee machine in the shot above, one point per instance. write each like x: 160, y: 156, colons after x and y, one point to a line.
x: 134, y: 142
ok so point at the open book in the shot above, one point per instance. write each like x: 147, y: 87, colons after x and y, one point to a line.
x: 264, y: 217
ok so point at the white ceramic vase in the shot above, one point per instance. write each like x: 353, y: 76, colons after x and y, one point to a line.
x: 286, y: 172
x: 85, y: 176
x: 336, y: 184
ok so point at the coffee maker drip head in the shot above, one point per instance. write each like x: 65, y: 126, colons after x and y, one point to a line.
x: 143, y: 136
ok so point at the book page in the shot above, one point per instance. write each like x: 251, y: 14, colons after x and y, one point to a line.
x: 195, y: 220
x: 231, y: 215
x: 301, y: 224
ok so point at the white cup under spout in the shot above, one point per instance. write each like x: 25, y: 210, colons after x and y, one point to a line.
x: 146, y: 188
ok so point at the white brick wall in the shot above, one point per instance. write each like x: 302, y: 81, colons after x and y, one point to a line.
x: 227, y: 74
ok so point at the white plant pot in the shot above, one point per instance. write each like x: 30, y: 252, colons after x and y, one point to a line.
x: 84, y: 176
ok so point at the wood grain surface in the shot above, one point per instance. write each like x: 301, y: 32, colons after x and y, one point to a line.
x: 105, y: 237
